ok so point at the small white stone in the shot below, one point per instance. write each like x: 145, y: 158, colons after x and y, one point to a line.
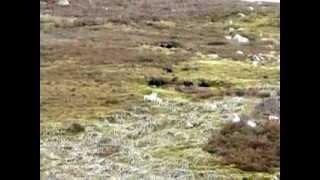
x: 241, y: 15
x: 213, y: 56
x: 251, y: 8
x: 235, y: 118
x: 237, y: 99
x: 211, y: 107
x: 230, y: 22
x: 238, y: 39
x: 270, y: 46
x: 189, y: 125
x: 251, y: 123
x: 240, y: 52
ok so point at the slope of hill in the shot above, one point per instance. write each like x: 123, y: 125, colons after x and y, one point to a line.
x: 101, y: 59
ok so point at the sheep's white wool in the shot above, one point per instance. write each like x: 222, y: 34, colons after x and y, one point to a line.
x: 153, y: 97
x: 231, y: 29
x: 238, y: 39
x: 251, y: 123
x: 228, y: 37
x: 150, y: 97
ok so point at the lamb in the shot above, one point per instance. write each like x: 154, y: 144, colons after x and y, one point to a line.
x: 151, y: 97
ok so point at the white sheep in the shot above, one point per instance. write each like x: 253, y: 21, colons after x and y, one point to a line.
x: 241, y: 15
x: 153, y: 97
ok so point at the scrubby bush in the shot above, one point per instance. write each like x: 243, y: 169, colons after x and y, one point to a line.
x: 250, y: 149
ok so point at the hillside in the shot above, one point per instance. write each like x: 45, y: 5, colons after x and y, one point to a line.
x: 102, y: 60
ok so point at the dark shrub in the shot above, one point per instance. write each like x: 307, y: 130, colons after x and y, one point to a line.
x: 187, y: 83
x: 169, y: 44
x: 153, y: 81
x: 250, y: 149
x: 168, y: 68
